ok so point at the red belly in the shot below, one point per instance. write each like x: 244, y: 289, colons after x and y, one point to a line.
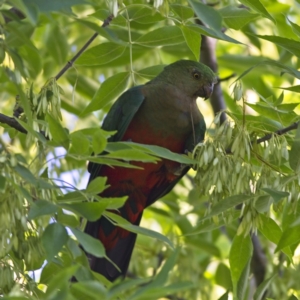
x: 151, y: 174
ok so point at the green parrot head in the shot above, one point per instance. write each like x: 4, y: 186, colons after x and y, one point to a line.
x: 191, y: 77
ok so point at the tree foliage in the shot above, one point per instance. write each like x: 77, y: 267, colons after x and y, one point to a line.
x: 233, y: 231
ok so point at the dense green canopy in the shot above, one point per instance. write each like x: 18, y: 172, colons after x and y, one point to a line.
x: 230, y: 228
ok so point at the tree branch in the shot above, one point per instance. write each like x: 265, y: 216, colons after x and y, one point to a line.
x: 258, y: 261
x: 12, y: 122
x: 15, y: 14
x: 70, y: 63
x: 208, y: 57
x: 278, y: 132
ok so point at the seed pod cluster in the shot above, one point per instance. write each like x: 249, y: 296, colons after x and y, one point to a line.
x: 232, y: 163
x: 6, y: 277
x: 20, y: 239
x: 250, y: 220
x: 46, y: 101
x: 223, y: 169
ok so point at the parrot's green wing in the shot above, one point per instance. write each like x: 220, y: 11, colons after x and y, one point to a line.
x: 119, y: 118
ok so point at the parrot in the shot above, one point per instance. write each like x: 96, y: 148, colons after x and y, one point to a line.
x: 162, y: 112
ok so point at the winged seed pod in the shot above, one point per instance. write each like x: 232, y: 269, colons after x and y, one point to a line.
x: 238, y: 91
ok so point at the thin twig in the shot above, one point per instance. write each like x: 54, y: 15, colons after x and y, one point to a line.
x: 70, y: 63
x: 226, y: 78
x: 269, y: 135
x: 278, y: 132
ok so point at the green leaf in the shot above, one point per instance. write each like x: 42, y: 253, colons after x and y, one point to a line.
x: 121, y: 222
x: 152, y: 150
x: 99, y: 141
x: 92, y: 211
x: 263, y: 203
x: 167, y: 35
x: 25, y: 174
x: 243, y: 281
x: 295, y: 88
x: 258, y: 7
x: 235, y: 17
x: 224, y: 296
x: 212, y: 33
x: 114, y: 202
x: 58, y: 133
x: 109, y: 90
x: 29, y: 129
x: 143, y: 14
x: 75, y: 196
x: 294, y: 157
x: 207, y: 15
x: 276, y: 195
x: 19, y: 36
x: 89, y: 290
x: 287, y: 44
x: 160, y: 292
x: 89, y: 244
x: 159, y: 280
x: 150, y: 72
x: 295, y: 27
x: 193, y: 40
x: 53, y: 5
x: 54, y: 238
x: 226, y: 204
x: 273, y: 233
x: 56, y: 43
x: 67, y: 219
x: 32, y: 60
x: 223, y: 277
x: 103, y: 160
x: 259, y: 293
x: 41, y: 208
x: 101, y: 54
x: 106, y: 32
x: 80, y: 144
x: 162, y: 276
x: 132, y: 155
x: 96, y: 186
x: 2, y: 54
x: 290, y: 236
x: 2, y: 183
x: 272, y: 112
x: 240, y: 254
x: 58, y: 286
x: 182, y: 11
x: 284, y: 67
x: 209, y: 225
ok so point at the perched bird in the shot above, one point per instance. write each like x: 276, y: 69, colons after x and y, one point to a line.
x: 162, y: 112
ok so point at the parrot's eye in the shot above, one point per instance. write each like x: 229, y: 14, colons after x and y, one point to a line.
x: 196, y: 75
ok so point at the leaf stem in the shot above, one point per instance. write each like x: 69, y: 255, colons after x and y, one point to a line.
x: 130, y: 45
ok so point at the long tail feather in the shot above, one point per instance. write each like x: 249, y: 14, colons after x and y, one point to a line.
x: 120, y: 253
